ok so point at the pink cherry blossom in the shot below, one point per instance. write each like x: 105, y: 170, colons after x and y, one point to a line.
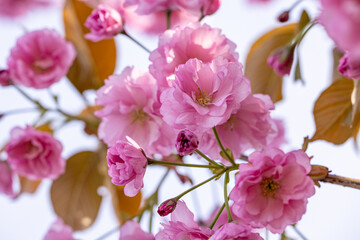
x: 131, y: 230
x: 127, y: 165
x: 17, y: 8
x: 40, y: 59
x: 131, y: 108
x: 59, y: 231
x: 195, y: 6
x: 35, y: 154
x: 341, y: 19
x: 177, y: 46
x: 233, y: 231
x: 204, y: 94
x: 182, y: 226
x: 104, y: 23
x: 250, y: 127
x: 272, y: 191
x: 350, y: 66
x: 6, y: 179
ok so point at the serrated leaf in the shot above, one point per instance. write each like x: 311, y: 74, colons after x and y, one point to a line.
x: 125, y: 207
x: 74, y: 195
x: 333, y: 111
x: 262, y: 77
x: 95, y: 61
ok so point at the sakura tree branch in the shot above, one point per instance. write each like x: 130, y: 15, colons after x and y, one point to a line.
x: 343, y: 181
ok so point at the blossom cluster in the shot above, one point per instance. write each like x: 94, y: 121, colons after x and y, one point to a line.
x: 193, y: 99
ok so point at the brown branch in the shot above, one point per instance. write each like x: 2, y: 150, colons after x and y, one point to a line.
x: 343, y: 181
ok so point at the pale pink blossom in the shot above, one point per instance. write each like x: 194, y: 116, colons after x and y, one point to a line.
x: 204, y: 94
x: 131, y: 230
x: 6, y: 179
x: 349, y: 66
x: 127, y: 165
x: 177, y: 46
x: 341, y: 20
x: 144, y: 7
x: 207, y: 7
x: 233, y: 231
x: 186, y: 142
x: 17, y: 8
x: 35, y: 154
x: 131, y: 108
x: 59, y: 231
x: 104, y: 22
x: 156, y: 22
x: 40, y: 58
x: 272, y: 190
x: 182, y: 226
x: 250, y: 127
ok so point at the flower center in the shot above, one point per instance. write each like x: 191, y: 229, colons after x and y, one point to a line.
x: 139, y: 115
x: 269, y: 186
x: 43, y: 65
x: 203, y: 98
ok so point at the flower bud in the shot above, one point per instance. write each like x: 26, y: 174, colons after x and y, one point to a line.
x: 281, y: 61
x: 318, y: 172
x: 349, y: 66
x: 5, y: 78
x: 283, y: 17
x: 186, y: 142
x: 167, y: 207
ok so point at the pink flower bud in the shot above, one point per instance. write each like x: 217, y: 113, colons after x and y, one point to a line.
x: 104, y: 23
x: 5, y: 78
x: 349, y: 66
x: 283, y: 17
x: 186, y: 142
x: 167, y: 207
x: 281, y: 61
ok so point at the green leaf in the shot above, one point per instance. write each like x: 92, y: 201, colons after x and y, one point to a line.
x: 262, y: 77
x: 74, y: 195
x: 95, y: 61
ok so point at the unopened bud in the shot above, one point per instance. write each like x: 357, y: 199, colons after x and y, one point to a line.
x: 186, y: 142
x: 283, y: 17
x: 167, y: 207
x: 318, y: 172
x: 5, y: 78
x: 281, y: 61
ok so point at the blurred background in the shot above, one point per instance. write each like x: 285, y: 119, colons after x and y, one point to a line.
x: 332, y: 213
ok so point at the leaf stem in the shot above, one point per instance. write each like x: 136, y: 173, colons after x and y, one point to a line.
x: 135, y: 41
x: 301, y: 235
x: 200, y: 184
x: 168, y: 19
x: 221, y: 146
x: 226, y: 198
x: 155, y: 162
x: 217, y: 216
x: 207, y: 158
